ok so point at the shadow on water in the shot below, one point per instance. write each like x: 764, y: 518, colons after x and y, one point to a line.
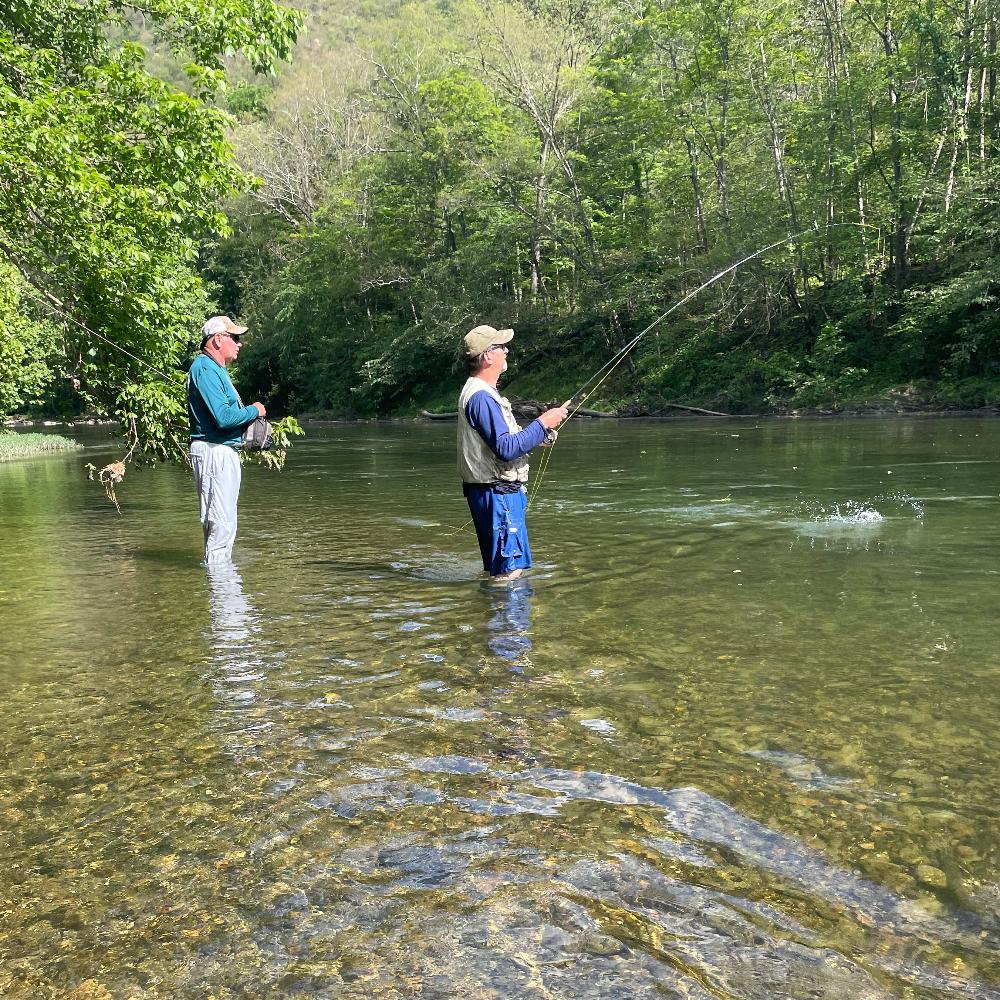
x: 170, y: 558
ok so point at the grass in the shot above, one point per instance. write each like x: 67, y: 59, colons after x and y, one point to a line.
x: 14, y: 444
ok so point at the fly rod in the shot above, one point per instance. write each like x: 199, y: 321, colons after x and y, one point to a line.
x: 580, y: 396
x: 620, y: 355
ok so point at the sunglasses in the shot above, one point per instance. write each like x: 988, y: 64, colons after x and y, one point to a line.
x: 499, y: 347
x: 234, y: 337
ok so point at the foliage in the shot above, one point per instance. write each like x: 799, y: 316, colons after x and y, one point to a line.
x: 28, y: 346
x: 575, y: 169
x: 109, y: 477
x: 109, y: 180
x: 282, y: 432
x: 570, y: 169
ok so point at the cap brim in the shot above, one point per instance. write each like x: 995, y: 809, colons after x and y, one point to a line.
x: 503, y: 336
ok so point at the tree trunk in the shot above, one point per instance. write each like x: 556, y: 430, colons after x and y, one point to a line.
x: 785, y: 194
x: 958, y: 139
x: 692, y: 153
x: 960, y: 130
x: 900, y: 240
x: 535, y: 250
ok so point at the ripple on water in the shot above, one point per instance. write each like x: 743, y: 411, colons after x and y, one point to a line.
x: 805, y: 773
x: 284, y: 789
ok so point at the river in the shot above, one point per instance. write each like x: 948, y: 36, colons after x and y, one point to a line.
x: 734, y: 737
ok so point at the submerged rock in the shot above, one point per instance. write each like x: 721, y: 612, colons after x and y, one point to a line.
x: 929, y: 875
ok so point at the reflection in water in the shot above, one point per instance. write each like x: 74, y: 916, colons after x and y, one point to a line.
x: 238, y: 664
x: 510, y: 621
x: 233, y: 620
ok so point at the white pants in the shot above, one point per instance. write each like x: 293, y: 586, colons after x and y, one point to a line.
x: 217, y: 475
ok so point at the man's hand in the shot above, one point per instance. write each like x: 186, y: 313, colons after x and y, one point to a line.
x: 551, y: 419
x: 261, y: 412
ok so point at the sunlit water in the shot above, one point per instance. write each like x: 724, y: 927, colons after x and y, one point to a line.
x: 735, y: 737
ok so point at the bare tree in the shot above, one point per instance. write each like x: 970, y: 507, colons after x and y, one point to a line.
x: 318, y: 130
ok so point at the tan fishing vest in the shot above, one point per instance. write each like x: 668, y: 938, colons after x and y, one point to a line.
x: 476, y: 462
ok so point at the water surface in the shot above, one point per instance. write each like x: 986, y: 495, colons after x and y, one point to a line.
x: 735, y: 737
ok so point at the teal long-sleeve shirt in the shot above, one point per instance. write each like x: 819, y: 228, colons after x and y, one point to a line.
x: 217, y: 414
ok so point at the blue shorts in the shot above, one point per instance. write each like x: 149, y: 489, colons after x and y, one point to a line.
x: 501, y: 529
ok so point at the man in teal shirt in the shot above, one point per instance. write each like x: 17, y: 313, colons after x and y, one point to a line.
x: 218, y: 419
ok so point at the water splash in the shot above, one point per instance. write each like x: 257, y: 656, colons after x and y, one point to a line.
x: 855, y: 523
x: 872, y: 510
x: 852, y: 513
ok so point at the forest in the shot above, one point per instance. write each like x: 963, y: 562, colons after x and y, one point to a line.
x: 572, y: 169
x: 364, y: 183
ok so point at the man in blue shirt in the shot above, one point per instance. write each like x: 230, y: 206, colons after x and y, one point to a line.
x: 218, y: 419
x: 491, y: 454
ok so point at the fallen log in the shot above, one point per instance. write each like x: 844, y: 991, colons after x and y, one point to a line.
x: 529, y: 408
x: 591, y: 413
x: 711, y: 413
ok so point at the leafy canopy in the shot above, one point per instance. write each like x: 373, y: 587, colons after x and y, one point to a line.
x: 109, y: 179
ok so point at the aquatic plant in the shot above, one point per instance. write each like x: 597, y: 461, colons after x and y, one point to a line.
x: 15, y: 444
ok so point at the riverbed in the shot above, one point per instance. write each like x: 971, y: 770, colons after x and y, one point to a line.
x: 734, y: 736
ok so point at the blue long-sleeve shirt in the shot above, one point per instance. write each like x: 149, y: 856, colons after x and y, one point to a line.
x: 216, y: 413
x: 484, y: 414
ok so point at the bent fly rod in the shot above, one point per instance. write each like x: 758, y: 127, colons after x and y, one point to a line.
x: 620, y: 355
x: 580, y: 396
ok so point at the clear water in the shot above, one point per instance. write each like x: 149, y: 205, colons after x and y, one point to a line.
x: 736, y: 737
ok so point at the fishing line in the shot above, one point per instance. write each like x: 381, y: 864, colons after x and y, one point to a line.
x: 58, y: 309
x: 606, y: 369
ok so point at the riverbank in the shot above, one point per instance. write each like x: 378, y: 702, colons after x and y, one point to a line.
x: 18, y: 423
x: 908, y: 399
x: 18, y: 444
x: 892, y: 405
x: 525, y: 410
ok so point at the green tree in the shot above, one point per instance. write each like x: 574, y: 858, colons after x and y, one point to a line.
x: 110, y: 178
x: 27, y: 347
x: 574, y: 168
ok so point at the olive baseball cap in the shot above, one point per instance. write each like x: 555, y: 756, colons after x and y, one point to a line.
x: 482, y: 338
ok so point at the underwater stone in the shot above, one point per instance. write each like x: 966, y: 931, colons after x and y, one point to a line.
x: 929, y: 875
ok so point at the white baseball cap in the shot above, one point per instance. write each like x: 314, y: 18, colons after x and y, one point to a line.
x: 220, y: 324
